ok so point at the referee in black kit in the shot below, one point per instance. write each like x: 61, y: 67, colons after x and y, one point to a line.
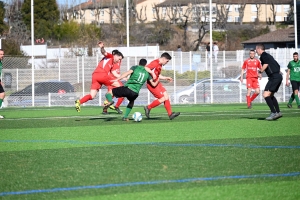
x: 272, y: 69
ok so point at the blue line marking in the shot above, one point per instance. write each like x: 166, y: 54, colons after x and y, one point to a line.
x: 152, y: 143
x: 111, y: 185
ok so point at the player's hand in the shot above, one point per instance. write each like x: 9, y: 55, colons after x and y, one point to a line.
x: 241, y: 79
x: 100, y: 44
x: 287, y: 83
x: 169, y: 79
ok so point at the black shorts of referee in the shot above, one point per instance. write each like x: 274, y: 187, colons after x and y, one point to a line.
x: 124, y: 91
x: 274, y: 82
x: 1, y: 88
x: 295, y: 85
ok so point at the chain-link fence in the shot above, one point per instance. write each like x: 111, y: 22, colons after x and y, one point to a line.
x: 59, y: 82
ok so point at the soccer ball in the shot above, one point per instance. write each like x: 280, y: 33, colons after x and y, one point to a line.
x: 137, y: 116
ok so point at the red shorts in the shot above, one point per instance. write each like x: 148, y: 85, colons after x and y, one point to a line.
x: 158, y: 91
x: 252, y: 83
x: 99, y: 79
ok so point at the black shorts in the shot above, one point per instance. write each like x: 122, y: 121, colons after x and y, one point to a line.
x: 295, y: 85
x: 1, y: 88
x: 274, y: 83
x: 124, y: 91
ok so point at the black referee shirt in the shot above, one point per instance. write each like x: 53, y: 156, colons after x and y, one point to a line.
x: 273, y: 66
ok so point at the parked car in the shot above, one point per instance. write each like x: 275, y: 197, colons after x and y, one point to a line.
x: 222, y: 88
x: 41, y: 94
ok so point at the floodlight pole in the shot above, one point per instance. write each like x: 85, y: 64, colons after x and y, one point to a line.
x: 211, y: 51
x: 32, y: 49
x: 127, y: 32
x: 295, y: 25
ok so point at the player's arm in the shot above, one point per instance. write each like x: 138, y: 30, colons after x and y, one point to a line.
x: 288, y: 77
x: 165, y: 78
x: 264, y: 67
x: 101, y: 45
x: 124, y: 75
x: 154, y: 83
x: 116, y: 74
x: 150, y: 72
x: 242, y: 74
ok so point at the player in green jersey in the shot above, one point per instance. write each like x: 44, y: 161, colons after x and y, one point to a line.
x: 293, y: 73
x: 2, y: 93
x: 138, y: 76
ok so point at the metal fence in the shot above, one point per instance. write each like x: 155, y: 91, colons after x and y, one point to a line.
x: 68, y: 79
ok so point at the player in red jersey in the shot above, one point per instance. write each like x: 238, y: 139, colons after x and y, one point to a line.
x: 159, y: 90
x: 101, y: 76
x: 115, y: 73
x: 251, y: 66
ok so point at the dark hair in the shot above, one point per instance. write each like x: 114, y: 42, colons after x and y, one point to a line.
x: 118, y: 53
x: 261, y: 46
x: 252, y: 50
x: 295, y: 53
x: 143, y: 62
x: 114, y: 51
x: 166, y: 55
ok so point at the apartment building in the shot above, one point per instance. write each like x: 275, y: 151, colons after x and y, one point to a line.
x: 235, y: 11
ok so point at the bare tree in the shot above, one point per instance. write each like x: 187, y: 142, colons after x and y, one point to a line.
x: 222, y: 15
x: 274, y: 12
x: 241, y: 10
x: 139, y: 15
x: 258, y: 11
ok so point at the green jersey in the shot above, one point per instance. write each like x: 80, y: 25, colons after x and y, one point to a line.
x: 294, y: 70
x: 137, y: 78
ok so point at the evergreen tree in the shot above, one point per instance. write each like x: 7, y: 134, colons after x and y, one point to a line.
x: 3, y: 27
x: 46, y: 16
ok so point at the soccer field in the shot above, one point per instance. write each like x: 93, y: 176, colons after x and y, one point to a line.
x: 209, y: 152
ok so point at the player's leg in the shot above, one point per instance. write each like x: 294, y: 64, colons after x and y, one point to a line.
x: 289, y: 105
x: 249, y: 89
x: 2, y: 95
x: 119, y: 102
x: 159, y: 98
x: 273, y: 86
x: 295, y: 86
x: 255, y: 85
x: 168, y: 107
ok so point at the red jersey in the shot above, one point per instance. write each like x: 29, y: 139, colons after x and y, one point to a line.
x: 251, y: 66
x: 116, y: 66
x: 104, y: 66
x: 155, y: 66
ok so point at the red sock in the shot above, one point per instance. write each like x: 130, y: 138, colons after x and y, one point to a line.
x: 168, y: 106
x: 248, y: 100
x: 253, y: 96
x: 85, y: 98
x: 119, y: 102
x: 154, y: 104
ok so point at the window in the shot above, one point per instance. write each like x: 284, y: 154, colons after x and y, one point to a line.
x: 278, y: 18
x: 253, y: 18
x: 278, y: 8
x: 236, y: 8
x: 101, y: 21
x: 229, y: 8
x: 253, y: 8
x: 286, y: 8
x: 102, y: 12
x: 237, y: 19
x: 229, y: 19
x: 92, y: 13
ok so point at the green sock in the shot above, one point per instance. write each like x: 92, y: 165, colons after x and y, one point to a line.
x: 291, y: 99
x: 297, y: 100
x: 128, y: 110
x: 108, y: 97
x: 1, y: 100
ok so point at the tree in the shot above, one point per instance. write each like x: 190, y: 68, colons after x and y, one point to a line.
x: 274, y: 12
x: 46, y: 15
x: 258, y: 11
x: 241, y: 10
x: 222, y: 15
x: 3, y: 27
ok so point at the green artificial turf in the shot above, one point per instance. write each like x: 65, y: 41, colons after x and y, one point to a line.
x: 57, y: 148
